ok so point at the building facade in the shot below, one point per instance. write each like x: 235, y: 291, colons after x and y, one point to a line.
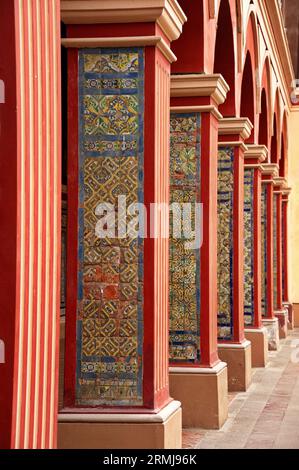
x: 111, y: 112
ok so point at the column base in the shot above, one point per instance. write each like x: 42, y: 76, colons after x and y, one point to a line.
x: 291, y: 319
x: 161, y: 430
x: 203, y: 394
x: 238, y: 359
x: 282, y: 316
x: 259, y: 346
x: 271, y: 325
x: 296, y: 315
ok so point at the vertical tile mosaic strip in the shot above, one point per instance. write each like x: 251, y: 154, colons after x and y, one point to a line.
x: 264, y: 216
x: 110, y: 270
x: 184, y: 298
x: 225, y: 242
x: 283, y: 247
x: 63, y: 250
x: 249, y: 247
x: 275, y: 247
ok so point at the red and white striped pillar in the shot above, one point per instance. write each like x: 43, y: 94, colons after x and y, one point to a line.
x: 116, y: 352
x: 30, y: 215
x: 254, y: 330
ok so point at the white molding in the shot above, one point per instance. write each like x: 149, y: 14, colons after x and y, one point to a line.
x: 244, y: 345
x: 212, y: 85
x: 166, y: 13
x: 236, y: 143
x: 100, y: 417
x: 231, y: 126
x: 199, y: 109
x: 215, y: 370
x: 129, y: 41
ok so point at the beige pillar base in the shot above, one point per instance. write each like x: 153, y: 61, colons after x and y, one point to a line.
x: 203, y: 394
x: 282, y: 316
x: 259, y: 345
x: 291, y: 319
x: 271, y: 325
x: 238, y: 359
x: 162, y: 430
x: 296, y: 315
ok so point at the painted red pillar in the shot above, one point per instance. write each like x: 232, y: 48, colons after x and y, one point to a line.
x: 280, y: 312
x: 233, y: 348
x: 30, y: 218
x: 254, y: 330
x: 270, y: 171
x: 285, y: 258
x: 197, y: 377
x: 116, y: 353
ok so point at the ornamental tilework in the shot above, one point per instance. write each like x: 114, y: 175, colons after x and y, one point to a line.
x: 184, y: 298
x: 248, y: 247
x: 225, y: 242
x: 283, y: 247
x: 110, y: 271
x: 275, y: 247
x: 264, y: 215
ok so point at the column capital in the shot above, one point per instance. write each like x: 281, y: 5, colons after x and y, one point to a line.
x: 241, y: 127
x: 269, y: 172
x: 167, y: 14
x: 285, y: 193
x: 204, y: 85
x: 279, y: 184
x: 255, y: 155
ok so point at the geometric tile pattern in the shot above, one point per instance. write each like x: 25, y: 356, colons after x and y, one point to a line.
x: 264, y: 216
x: 275, y: 247
x: 63, y: 253
x: 110, y: 271
x: 248, y: 247
x: 283, y: 247
x: 225, y: 242
x: 184, y: 263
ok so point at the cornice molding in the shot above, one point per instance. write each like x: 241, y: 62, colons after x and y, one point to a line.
x: 273, y: 23
x: 212, y: 85
x: 122, y: 42
x: 235, y: 143
x: 270, y: 169
x: 166, y: 13
x: 279, y: 181
x: 197, y: 109
x: 240, y: 126
x: 257, y: 152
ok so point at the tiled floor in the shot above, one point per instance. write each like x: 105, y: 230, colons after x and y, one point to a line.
x: 267, y: 415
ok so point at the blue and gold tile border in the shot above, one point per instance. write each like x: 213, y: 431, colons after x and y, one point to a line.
x: 249, y: 246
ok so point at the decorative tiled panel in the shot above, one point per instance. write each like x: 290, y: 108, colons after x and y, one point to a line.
x: 249, y: 247
x: 264, y: 248
x: 283, y: 247
x: 110, y: 270
x: 63, y: 252
x: 184, y: 299
x: 275, y: 247
x: 225, y: 242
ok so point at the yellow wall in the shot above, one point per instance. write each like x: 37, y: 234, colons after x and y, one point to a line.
x: 293, y: 173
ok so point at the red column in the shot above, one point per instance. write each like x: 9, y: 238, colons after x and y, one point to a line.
x: 30, y: 214
x: 270, y: 171
x: 194, y: 363
x: 116, y: 354
x: 280, y: 312
x: 232, y: 134
x: 285, y: 258
x: 254, y: 330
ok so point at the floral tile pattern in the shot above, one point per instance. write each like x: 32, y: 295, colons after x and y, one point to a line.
x: 264, y: 214
x: 110, y: 271
x: 248, y: 247
x: 225, y: 242
x: 184, y: 297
